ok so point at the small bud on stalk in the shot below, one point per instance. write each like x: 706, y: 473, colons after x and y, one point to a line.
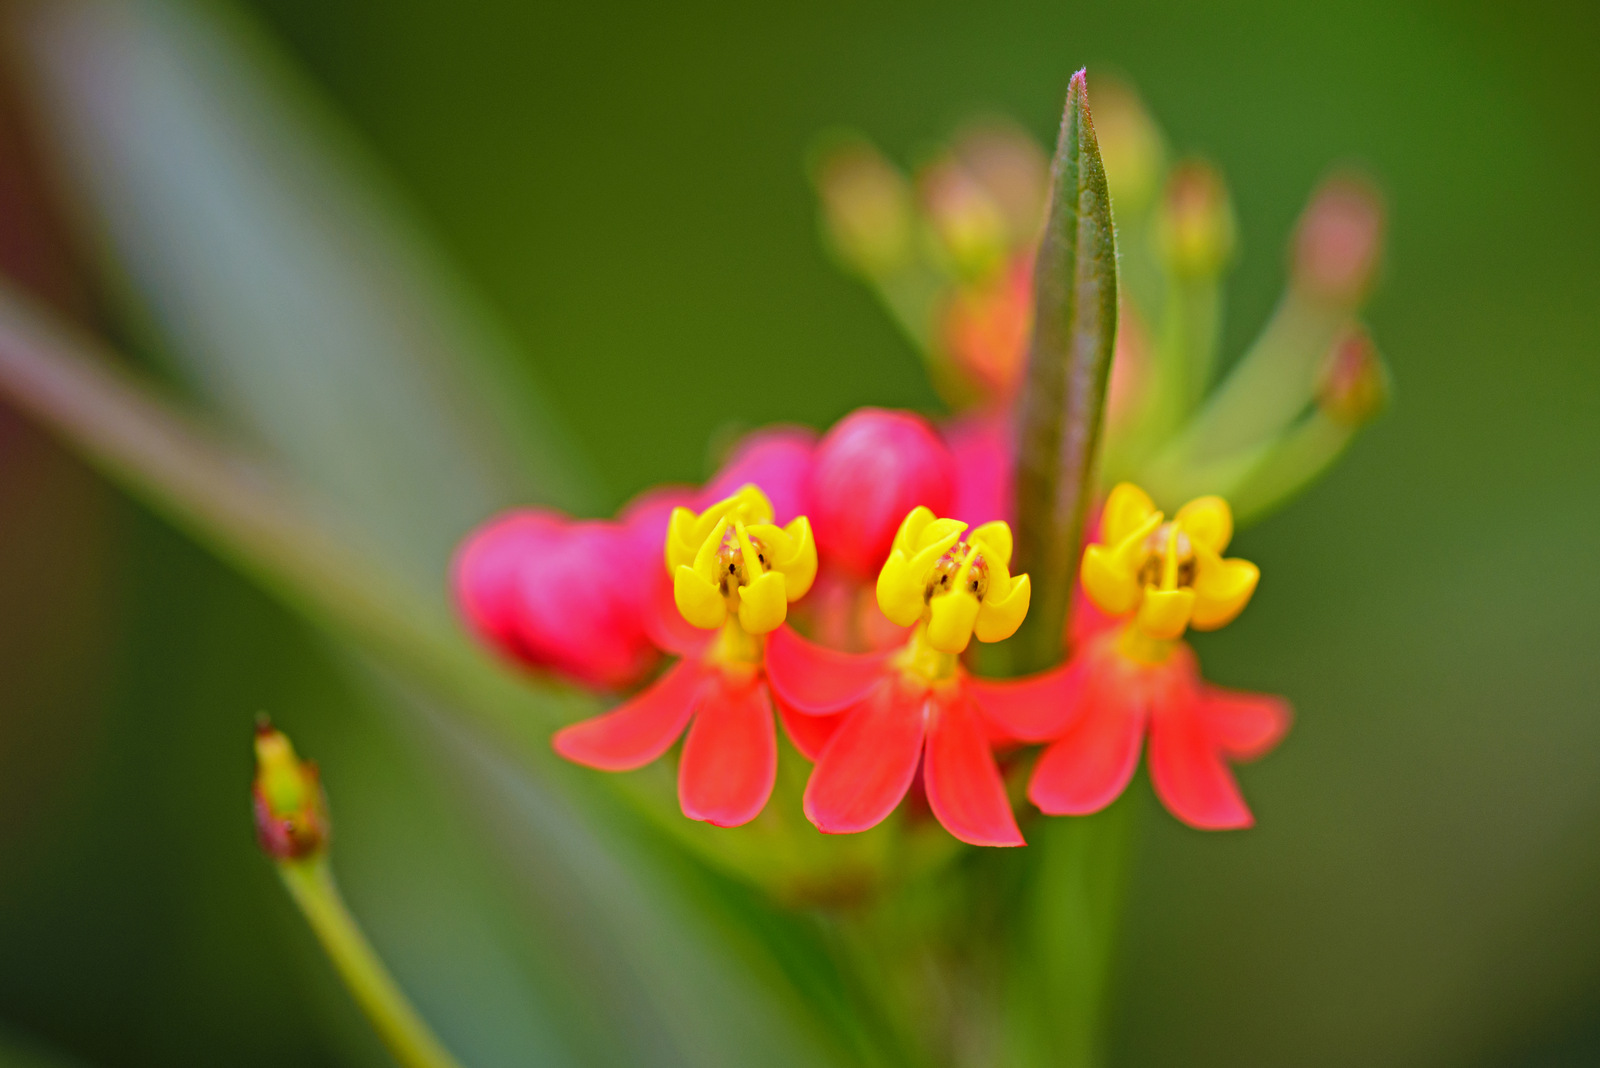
x: 290, y: 808
x: 1195, y: 227
x: 867, y: 208
x: 1354, y: 386
x: 1338, y: 242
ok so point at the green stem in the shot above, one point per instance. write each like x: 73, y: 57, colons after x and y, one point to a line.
x: 311, y: 884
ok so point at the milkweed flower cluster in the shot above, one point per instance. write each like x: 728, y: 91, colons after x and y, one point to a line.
x: 829, y: 589
x: 884, y: 718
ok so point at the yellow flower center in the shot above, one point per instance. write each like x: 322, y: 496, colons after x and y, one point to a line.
x: 731, y: 563
x: 958, y: 588
x: 1168, y: 575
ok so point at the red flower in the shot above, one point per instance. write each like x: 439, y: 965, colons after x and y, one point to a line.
x: 872, y: 721
x: 1137, y: 678
x: 1194, y: 729
x: 734, y: 573
x: 872, y: 468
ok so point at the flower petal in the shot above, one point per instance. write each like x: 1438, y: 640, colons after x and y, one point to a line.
x: 999, y: 617
x: 1245, y: 725
x: 1208, y: 520
x: 730, y: 759
x: 810, y: 734
x: 664, y: 624
x: 1127, y: 508
x: 638, y: 730
x: 868, y: 765
x: 964, y: 786
x: 1033, y: 709
x: 1094, y: 760
x: 1187, y: 766
x: 817, y: 681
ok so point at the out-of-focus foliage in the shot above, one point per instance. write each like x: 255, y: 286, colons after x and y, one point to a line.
x: 625, y: 189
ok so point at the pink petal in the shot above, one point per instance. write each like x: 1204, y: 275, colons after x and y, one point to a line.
x: 730, y: 759
x: 868, y: 765
x: 1033, y: 709
x: 817, y: 681
x: 483, y: 573
x: 981, y: 445
x: 664, y: 624
x: 776, y: 459
x: 1187, y: 767
x: 1094, y: 760
x: 810, y: 734
x: 867, y: 473
x: 1245, y: 725
x: 638, y: 730
x: 964, y: 786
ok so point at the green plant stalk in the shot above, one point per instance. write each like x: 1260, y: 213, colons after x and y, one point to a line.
x: 1302, y: 454
x: 310, y: 884
x: 1062, y: 405
x: 1267, y: 390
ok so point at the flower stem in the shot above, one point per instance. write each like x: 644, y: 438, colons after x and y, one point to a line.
x: 310, y: 883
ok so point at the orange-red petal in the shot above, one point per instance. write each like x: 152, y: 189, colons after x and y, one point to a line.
x: 640, y: 729
x: 817, y: 681
x: 868, y: 764
x: 1037, y: 708
x: 810, y: 734
x: 1092, y: 763
x: 1245, y: 725
x: 1187, y: 765
x: 730, y: 758
x: 964, y: 786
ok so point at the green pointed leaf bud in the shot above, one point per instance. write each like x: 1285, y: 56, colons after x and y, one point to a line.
x: 1062, y: 405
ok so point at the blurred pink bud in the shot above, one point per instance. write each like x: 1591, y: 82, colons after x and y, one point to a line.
x: 1195, y: 225
x: 986, y: 328
x: 985, y: 455
x: 1355, y: 383
x: 777, y: 460
x: 970, y: 226
x: 866, y: 207
x: 869, y: 471
x: 563, y: 595
x: 1012, y: 169
x: 1130, y: 144
x: 1339, y: 241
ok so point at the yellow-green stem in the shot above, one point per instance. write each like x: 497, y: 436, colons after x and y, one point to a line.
x: 310, y: 883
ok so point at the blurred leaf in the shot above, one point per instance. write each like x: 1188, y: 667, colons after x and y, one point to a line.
x: 1069, y: 362
x: 17, y: 1052
x: 255, y: 247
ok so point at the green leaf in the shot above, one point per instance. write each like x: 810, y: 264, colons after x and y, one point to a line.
x: 256, y: 248
x: 1062, y: 405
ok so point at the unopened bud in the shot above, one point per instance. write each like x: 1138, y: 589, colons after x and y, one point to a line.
x: 970, y: 227
x: 1195, y: 227
x: 1130, y: 145
x: 1339, y: 241
x: 1354, y: 386
x: 291, y: 811
x: 866, y: 207
x: 1013, y: 170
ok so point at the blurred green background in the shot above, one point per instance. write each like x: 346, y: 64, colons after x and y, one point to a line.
x: 624, y: 188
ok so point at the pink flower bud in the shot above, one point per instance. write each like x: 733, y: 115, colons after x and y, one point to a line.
x: 1354, y: 386
x: 563, y: 595
x: 778, y: 461
x: 985, y: 455
x: 1339, y: 241
x: 871, y: 469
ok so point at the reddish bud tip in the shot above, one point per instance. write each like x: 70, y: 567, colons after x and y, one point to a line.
x: 1354, y: 386
x: 871, y: 469
x: 1339, y: 241
x: 291, y: 812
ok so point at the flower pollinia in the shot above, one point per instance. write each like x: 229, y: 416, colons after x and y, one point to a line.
x: 290, y: 809
x: 958, y: 589
x: 732, y: 560
x: 1137, y: 678
x: 734, y: 573
x: 874, y: 723
x: 1169, y: 575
